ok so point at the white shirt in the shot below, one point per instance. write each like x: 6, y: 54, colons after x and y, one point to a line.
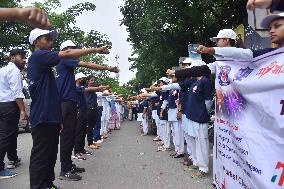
x: 100, y: 98
x: 173, y: 86
x: 234, y: 53
x: 11, y: 86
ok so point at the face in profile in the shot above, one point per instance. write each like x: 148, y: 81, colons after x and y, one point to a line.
x: 44, y: 42
x: 19, y: 60
x: 276, y: 31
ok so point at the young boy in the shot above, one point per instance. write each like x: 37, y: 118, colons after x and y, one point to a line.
x: 45, y: 112
x: 67, y: 90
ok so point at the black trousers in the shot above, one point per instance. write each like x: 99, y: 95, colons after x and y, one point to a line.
x: 9, y: 120
x: 44, y: 154
x: 92, y: 115
x: 67, y: 135
x: 97, y: 130
x: 81, y: 132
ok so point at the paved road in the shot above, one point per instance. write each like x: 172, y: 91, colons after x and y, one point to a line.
x: 125, y: 161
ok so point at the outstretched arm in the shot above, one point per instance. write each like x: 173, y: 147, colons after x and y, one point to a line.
x: 94, y: 66
x: 77, y: 53
x: 32, y: 16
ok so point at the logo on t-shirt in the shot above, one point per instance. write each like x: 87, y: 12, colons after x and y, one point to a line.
x: 223, y: 75
x: 194, y: 89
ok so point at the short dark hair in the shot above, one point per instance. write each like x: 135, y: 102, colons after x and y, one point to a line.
x: 14, y: 52
x: 232, y: 42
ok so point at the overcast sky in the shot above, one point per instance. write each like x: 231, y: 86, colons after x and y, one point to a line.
x: 106, y: 19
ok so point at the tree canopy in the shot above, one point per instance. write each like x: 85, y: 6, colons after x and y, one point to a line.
x: 16, y: 34
x: 160, y: 30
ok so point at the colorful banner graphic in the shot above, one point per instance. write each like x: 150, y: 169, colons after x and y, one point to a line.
x: 249, y: 126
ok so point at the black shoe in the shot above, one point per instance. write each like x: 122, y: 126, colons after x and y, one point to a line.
x: 173, y: 154
x: 178, y: 156
x: 78, y: 156
x: 69, y: 176
x: 53, y: 187
x: 76, y: 169
x: 87, y: 153
x: 13, y: 164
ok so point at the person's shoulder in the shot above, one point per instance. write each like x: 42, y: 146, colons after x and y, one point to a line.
x: 257, y: 53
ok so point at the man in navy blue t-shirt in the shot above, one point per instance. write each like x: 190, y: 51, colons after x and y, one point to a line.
x: 45, y: 112
x: 199, y: 100
x: 65, y: 80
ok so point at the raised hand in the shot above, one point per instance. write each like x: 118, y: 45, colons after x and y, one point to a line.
x: 34, y: 17
x: 103, y: 50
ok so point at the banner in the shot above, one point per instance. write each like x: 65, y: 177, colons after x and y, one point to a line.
x: 249, y: 127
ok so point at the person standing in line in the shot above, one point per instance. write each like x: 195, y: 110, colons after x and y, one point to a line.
x: 98, y: 129
x: 45, y: 112
x: 105, y: 114
x: 199, y: 101
x: 145, y: 117
x: 163, y: 114
x: 12, y: 108
x: 92, y: 111
x: 67, y: 90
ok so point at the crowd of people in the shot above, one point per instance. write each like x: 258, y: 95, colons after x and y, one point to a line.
x: 68, y: 107
x: 181, y: 102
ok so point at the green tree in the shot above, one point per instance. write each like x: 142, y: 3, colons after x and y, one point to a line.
x: 160, y: 30
x: 16, y: 34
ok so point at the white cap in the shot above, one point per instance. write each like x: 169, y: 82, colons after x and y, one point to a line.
x: 267, y: 20
x: 164, y: 79
x: 106, y: 92
x: 197, y: 63
x: 143, y: 91
x: 35, y: 33
x: 225, y: 34
x: 187, y: 61
x: 79, y: 76
x: 67, y: 43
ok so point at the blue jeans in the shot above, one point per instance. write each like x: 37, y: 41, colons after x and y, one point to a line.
x: 96, y: 131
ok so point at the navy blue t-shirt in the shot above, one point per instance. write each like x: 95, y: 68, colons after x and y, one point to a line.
x: 164, y: 96
x: 45, y: 106
x: 140, y: 106
x: 173, y: 96
x: 183, y: 94
x: 65, y: 79
x: 91, y: 98
x: 154, y: 100
x: 199, y: 91
x: 81, y: 99
x: 257, y: 53
x: 145, y: 103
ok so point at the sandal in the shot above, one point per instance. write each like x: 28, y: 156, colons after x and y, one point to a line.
x: 199, y: 174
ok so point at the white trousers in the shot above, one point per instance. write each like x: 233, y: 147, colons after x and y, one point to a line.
x: 200, y: 148
x: 189, y: 145
x: 166, y: 133
x: 173, y: 126
x: 145, y: 124
x: 180, y: 138
x: 157, y: 122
